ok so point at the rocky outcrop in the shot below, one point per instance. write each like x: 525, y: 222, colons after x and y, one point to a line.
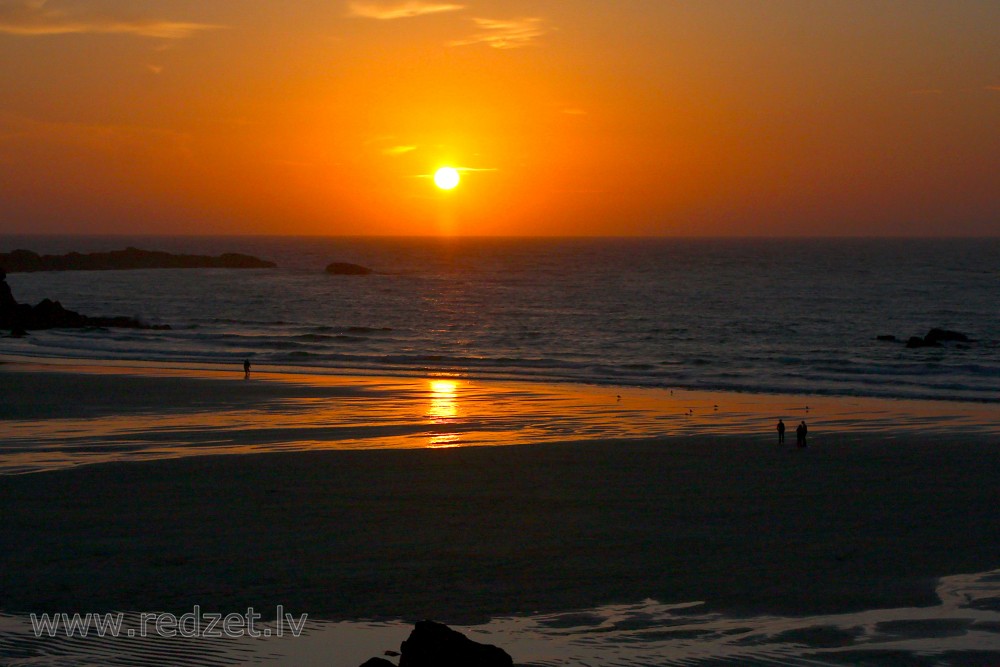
x: 347, y: 269
x: 935, y: 338
x: 48, y: 314
x: 22, y: 261
x: 436, y: 645
x: 378, y: 662
x: 945, y: 336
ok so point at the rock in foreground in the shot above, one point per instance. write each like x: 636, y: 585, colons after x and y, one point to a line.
x: 23, y: 261
x: 347, y: 269
x: 436, y: 645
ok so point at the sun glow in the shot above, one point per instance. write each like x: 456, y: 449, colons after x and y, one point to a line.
x: 446, y: 178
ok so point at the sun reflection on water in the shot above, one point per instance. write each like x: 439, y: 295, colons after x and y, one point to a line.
x: 443, y: 410
x: 444, y: 406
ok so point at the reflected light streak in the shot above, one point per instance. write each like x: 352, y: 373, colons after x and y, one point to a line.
x: 443, y: 410
x: 445, y: 441
x: 444, y: 407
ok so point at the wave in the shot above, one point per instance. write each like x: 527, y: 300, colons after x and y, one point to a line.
x: 974, y: 382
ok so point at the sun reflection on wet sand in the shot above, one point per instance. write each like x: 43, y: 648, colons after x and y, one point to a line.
x: 444, y: 406
x: 444, y: 411
x: 184, y: 412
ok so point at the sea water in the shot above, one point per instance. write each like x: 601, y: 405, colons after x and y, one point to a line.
x: 757, y: 315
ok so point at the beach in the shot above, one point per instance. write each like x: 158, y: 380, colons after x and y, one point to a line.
x: 437, y: 512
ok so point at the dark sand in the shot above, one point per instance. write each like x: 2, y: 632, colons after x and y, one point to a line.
x: 861, y: 519
x: 465, y: 534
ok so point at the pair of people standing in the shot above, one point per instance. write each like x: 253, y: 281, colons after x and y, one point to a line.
x: 801, y: 431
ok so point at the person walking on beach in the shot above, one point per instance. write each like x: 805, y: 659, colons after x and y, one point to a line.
x: 246, y: 369
x: 781, y: 432
x: 800, y: 434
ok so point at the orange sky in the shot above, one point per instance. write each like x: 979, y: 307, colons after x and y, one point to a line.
x: 565, y: 117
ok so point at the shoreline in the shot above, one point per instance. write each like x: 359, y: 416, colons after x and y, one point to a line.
x: 71, y: 412
x: 198, y: 367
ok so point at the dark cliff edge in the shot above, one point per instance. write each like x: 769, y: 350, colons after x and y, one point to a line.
x: 48, y: 314
x: 25, y: 261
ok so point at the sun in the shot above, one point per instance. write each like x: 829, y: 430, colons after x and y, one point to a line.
x: 446, y: 178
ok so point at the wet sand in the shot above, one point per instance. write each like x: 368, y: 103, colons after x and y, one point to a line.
x: 863, y: 518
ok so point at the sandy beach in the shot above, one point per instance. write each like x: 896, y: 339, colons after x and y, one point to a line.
x: 861, y: 519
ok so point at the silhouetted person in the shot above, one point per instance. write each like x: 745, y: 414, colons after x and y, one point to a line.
x: 800, y: 434
x: 246, y: 369
x: 781, y: 432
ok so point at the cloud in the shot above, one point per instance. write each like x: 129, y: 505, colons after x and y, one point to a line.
x: 399, y: 10
x: 398, y: 150
x: 31, y: 18
x: 573, y: 111
x: 995, y: 89
x: 500, y: 34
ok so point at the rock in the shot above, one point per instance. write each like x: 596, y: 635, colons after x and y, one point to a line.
x: 378, y: 662
x: 48, y: 314
x: 935, y: 337
x: 435, y: 645
x: 888, y: 338
x: 917, y: 341
x: 943, y: 335
x: 7, y: 300
x: 347, y: 269
x: 20, y: 261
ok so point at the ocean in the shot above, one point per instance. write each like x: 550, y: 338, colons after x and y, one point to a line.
x: 755, y: 315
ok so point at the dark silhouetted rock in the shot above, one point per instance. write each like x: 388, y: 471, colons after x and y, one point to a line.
x: 888, y: 338
x: 7, y: 301
x: 435, y: 645
x: 935, y: 338
x: 945, y: 336
x: 22, y: 261
x: 48, y: 314
x: 347, y: 269
x: 378, y: 662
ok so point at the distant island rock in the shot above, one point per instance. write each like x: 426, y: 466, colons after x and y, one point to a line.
x: 21, y: 317
x: 24, y: 261
x: 348, y: 269
x: 934, y: 338
x: 436, y: 645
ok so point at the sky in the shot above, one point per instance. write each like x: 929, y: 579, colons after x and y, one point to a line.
x: 562, y: 117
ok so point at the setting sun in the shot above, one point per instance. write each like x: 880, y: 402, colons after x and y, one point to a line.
x: 446, y: 178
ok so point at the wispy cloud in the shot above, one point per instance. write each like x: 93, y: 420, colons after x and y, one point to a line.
x: 399, y: 10
x: 398, y: 150
x: 574, y: 111
x: 927, y: 91
x: 505, y: 34
x: 463, y: 170
x: 33, y: 18
x: 995, y: 89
